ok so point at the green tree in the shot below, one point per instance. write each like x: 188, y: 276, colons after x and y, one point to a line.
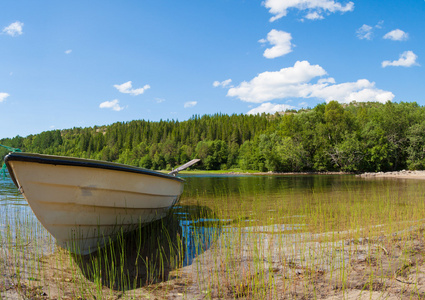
x: 416, y: 148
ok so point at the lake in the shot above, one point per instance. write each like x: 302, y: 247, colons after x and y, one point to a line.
x: 301, y: 203
x: 229, y: 236
x: 320, y: 202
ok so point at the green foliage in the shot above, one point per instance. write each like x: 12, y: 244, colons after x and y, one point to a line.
x: 416, y: 148
x: 348, y: 155
x: 351, y: 137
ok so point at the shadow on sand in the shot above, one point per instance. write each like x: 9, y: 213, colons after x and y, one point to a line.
x: 148, y: 254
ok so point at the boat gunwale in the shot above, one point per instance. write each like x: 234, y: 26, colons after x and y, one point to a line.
x: 78, y: 162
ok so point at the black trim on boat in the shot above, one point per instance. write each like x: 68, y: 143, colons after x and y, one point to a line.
x: 78, y: 162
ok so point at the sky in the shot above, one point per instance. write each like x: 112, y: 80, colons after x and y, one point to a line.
x: 66, y: 64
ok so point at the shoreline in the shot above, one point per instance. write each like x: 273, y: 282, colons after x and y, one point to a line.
x: 388, y: 265
x: 403, y: 174
x: 215, y: 172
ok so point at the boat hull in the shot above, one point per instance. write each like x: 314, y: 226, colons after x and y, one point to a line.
x: 84, y: 203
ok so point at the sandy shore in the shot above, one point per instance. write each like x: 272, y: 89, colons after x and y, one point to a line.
x: 303, y: 266
x: 298, y: 266
x: 404, y: 174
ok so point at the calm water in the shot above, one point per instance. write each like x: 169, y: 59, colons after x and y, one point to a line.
x: 278, y: 197
x: 291, y: 202
x: 12, y: 205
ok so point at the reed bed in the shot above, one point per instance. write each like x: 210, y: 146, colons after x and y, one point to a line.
x: 363, y: 240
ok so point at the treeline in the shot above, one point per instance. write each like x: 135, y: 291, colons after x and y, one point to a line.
x: 330, y: 137
x: 215, y: 139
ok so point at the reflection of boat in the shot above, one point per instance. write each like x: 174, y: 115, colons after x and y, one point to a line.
x: 198, y: 236
x: 148, y: 254
x: 84, y: 203
x: 200, y: 228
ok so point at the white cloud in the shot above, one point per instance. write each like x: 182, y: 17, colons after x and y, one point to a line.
x: 159, y: 100
x: 314, y: 16
x: 127, y: 88
x: 379, y: 25
x: 361, y: 91
x: 365, y: 32
x: 281, y: 42
x: 14, y: 29
x: 114, y: 105
x: 274, y: 85
x: 68, y: 51
x: 3, y: 96
x: 190, y: 104
x: 326, y: 80
x: 407, y: 59
x: 294, y: 82
x: 269, y: 108
x: 397, y: 35
x: 315, y: 8
x: 222, y: 83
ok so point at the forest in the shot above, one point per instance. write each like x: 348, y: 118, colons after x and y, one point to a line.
x: 355, y: 137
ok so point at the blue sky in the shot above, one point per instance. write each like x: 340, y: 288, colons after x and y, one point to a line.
x: 67, y: 64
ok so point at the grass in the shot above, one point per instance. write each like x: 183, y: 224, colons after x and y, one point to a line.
x: 343, y: 241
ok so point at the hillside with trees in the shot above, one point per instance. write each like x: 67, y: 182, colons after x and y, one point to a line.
x: 330, y: 137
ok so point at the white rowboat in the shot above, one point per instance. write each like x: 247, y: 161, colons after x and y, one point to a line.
x: 86, y: 203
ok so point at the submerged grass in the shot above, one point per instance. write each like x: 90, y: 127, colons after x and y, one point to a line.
x: 365, y: 240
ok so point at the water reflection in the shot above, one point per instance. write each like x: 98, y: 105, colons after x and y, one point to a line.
x: 270, y: 184
x: 199, y: 230
x: 148, y: 254
x: 261, y: 198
